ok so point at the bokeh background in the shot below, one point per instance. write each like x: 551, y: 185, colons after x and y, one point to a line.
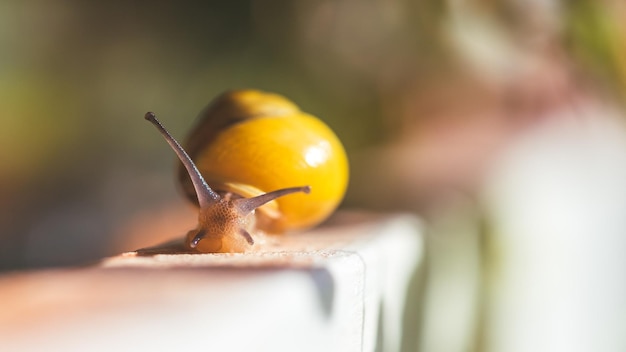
x: 423, y: 93
x: 499, y: 122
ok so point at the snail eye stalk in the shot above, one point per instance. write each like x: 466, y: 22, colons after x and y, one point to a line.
x: 206, y: 196
x: 246, y: 205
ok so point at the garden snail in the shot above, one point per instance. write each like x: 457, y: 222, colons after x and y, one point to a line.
x: 248, y: 146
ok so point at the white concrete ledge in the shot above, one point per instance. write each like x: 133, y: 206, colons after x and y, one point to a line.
x: 339, y: 288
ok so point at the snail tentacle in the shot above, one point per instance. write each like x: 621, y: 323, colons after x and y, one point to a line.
x: 194, y: 242
x: 247, y: 236
x: 206, y: 196
x: 246, y: 205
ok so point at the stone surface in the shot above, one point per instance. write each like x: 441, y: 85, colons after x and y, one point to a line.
x: 343, y: 287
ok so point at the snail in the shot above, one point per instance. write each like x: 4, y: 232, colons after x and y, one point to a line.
x: 248, y: 146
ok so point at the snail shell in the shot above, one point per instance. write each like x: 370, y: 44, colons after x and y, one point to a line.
x: 249, y: 142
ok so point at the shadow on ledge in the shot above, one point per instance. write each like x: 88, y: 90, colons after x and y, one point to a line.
x: 172, y: 247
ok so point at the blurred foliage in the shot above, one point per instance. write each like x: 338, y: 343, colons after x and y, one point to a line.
x: 77, y: 161
x: 596, y: 36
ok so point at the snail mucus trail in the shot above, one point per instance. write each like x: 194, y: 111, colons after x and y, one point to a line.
x: 220, y: 217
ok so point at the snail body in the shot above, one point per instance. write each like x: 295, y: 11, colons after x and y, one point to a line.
x: 246, y: 145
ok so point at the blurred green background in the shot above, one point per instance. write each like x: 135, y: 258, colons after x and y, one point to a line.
x: 439, y: 83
